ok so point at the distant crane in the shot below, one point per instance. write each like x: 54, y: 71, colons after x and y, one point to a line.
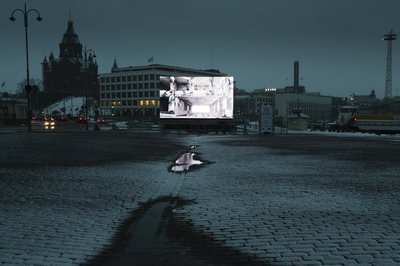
x: 388, y: 82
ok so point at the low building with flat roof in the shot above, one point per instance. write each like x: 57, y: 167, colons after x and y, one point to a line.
x: 316, y: 107
x: 13, y: 110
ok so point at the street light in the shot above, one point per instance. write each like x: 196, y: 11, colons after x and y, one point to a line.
x: 28, y: 87
x: 90, y: 51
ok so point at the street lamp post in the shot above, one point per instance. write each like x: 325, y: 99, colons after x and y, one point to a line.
x: 28, y: 87
x: 90, y: 51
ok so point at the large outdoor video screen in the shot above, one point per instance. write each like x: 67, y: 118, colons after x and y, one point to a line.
x: 196, y: 97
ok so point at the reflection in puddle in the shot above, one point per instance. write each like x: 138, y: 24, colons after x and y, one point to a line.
x: 156, y: 235
x: 184, y: 162
x: 146, y: 241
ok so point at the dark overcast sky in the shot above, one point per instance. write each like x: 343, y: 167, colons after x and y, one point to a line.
x: 337, y: 42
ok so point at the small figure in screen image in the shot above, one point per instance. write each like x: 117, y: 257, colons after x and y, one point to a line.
x: 172, y: 100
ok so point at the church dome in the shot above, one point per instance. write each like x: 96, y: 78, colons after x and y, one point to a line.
x: 70, y: 36
x: 70, y: 46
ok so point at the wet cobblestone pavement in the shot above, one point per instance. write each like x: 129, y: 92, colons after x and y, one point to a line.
x: 69, y: 197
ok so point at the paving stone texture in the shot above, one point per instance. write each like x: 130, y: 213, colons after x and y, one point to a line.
x: 292, y: 205
x: 284, y: 199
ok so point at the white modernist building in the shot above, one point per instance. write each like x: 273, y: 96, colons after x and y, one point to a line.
x: 315, y: 106
x: 135, y: 91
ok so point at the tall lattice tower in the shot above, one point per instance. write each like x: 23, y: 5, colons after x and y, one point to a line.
x: 388, y: 82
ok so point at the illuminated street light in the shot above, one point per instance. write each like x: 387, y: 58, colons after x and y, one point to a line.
x: 28, y: 87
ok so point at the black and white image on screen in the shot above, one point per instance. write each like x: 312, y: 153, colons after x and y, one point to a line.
x: 196, y: 97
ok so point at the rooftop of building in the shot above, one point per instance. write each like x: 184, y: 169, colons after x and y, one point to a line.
x: 73, y: 60
x: 273, y: 91
x: 15, y: 99
x: 160, y: 67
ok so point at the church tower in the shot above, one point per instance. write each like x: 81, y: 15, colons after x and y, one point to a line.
x: 68, y: 75
x: 70, y: 46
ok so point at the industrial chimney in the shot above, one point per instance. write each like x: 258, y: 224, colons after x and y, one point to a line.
x: 296, y: 88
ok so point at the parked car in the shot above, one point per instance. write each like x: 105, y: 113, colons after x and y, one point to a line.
x: 101, y: 120
x: 83, y: 119
x: 65, y: 118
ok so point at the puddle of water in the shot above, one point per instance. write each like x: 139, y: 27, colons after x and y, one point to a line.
x: 146, y: 242
x: 145, y: 231
x: 160, y: 237
x: 184, y: 162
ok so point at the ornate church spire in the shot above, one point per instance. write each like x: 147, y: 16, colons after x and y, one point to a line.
x: 115, y: 66
x: 70, y: 45
x: 45, y: 64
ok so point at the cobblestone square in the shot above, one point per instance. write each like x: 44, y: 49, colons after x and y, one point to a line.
x: 280, y: 200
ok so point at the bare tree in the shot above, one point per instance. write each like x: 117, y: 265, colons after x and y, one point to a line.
x: 35, y: 83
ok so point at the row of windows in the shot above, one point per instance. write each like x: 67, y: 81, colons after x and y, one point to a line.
x: 265, y: 100
x: 259, y: 104
x: 131, y: 102
x: 129, y: 86
x: 129, y: 94
x: 129, y: 78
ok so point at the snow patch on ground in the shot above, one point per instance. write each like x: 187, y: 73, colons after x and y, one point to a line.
x: 72, y: 105
x: 118, y: 125
x: 345, y: 134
